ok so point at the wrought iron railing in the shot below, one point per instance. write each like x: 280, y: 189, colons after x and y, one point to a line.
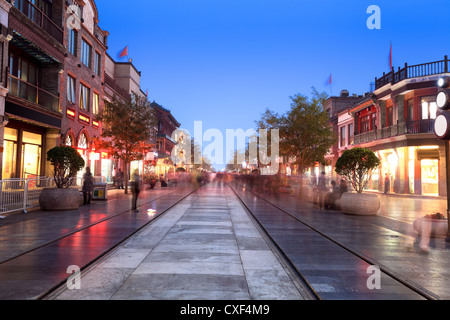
x: 414, y: 71
x: 40, y: 18
x: 33, y: 93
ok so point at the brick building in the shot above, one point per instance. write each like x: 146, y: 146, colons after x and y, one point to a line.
x: 82, y: 92
x: 33, y: 79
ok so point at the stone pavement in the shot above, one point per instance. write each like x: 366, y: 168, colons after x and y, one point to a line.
x: 205, y: 248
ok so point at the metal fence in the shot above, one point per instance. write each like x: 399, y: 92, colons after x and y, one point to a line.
x: 23, y: 194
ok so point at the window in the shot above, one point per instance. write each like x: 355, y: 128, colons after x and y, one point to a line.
x: 351, y: 134
x: 97, y: 63
x: 429, y: 107
x: 70, y: 89
x: 84, y: 97
x: 373, y: 121
x: 342, y: 137
x: 365, y: 123
x: 73, y: 42
x: 95, y: 103
x: 86, y: 53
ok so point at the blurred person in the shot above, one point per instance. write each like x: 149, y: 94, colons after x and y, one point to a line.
x: 88, y: 186
x: 135, y: 189
x: 387, y: 183
x: 322, y: 190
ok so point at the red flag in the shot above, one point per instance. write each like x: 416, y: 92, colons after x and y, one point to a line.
x: 329, y: 81
x: 124, y: 52
x: 390, y: 57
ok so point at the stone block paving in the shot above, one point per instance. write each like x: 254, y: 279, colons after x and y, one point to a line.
x: 205, y: 248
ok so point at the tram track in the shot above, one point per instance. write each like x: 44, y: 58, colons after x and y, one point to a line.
x: 276, y: 209
x: 112, y: 218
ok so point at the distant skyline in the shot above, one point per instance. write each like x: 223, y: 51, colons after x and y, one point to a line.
x: 225, y: 62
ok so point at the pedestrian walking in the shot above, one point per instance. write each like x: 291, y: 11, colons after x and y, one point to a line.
x: 120, y: 177
x: 387, y: 183
x: 88, y: 186
x: 322, y: 190
x: 135, y: 189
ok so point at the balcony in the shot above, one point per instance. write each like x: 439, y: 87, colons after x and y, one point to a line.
x: 414, y: 71
x: 33, y: 93
x: 40, y: 18
x: 408, y: 127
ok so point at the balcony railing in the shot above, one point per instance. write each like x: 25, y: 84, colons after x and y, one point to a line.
x: 415, y: 71
x: 33, y: 93
x: 39, y: 18
x: 408, y: 127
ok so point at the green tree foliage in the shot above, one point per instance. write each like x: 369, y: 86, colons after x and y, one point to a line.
x: 304, y: 130
x: 128, y: 127
x: 66, y: 162
x: 356, y: 166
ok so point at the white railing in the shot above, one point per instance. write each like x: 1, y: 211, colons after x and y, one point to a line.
x: 23, y: 194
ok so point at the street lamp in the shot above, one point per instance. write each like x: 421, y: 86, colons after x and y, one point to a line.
x: 442, y: 131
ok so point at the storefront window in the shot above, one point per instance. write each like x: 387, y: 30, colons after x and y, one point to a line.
x: 430, y: 176
x: 31, y: 155
x: 9, y: 153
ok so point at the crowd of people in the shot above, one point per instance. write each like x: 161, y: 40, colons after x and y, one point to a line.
x: 325, y: 193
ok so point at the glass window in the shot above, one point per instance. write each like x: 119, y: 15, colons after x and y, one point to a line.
x: 85, y: 53
x: 82, y: 142
x: 29, y: 137
x: 70, y: 89
x: 95, y: 103
x: 10, y: 134
x: 73, y: 41
x: 351, y: 133
x: 429, y: 107
x: 342, y: 137
x: 84, y: 97
x: 97, y: 63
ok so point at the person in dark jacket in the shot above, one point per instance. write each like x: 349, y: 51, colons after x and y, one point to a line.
x: 135, y: 189
x: 88, y: 186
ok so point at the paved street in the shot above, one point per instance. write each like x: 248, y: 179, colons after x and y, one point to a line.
x: 207, y: 247
x: 204, y: 248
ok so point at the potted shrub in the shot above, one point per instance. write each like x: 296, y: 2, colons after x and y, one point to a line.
x: 65, y: 162
x: 356, y: 166
x: 432, y: 225
x: 150, y: 179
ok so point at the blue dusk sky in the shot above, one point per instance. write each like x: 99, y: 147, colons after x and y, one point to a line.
x: 224, y: 62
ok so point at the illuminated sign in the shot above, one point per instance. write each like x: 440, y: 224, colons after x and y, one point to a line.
x: 95, y: 123
x: 84, y: 119
x: 70, y: 113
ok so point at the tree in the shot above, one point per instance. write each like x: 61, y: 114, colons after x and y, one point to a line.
x: 66, y: 162
x: 127, y: 129
x: 356, y: 166
x: 304, y: 130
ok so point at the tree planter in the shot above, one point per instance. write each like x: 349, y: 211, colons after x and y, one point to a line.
x: 59, y: 199
x: 436, y: 228
x: 365, y: 204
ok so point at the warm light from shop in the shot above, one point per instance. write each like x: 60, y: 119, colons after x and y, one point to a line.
x: 94, y: 156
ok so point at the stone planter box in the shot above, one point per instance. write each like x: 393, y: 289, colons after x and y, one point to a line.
x: 436, y: 228
x: 364, y: 204
x: 56, y: 199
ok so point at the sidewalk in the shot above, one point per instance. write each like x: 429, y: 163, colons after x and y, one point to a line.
x: 204, y: 248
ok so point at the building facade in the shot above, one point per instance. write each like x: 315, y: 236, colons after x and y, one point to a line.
x: 397, y: 122
x: 82, y: 92
x: 35, y: 62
